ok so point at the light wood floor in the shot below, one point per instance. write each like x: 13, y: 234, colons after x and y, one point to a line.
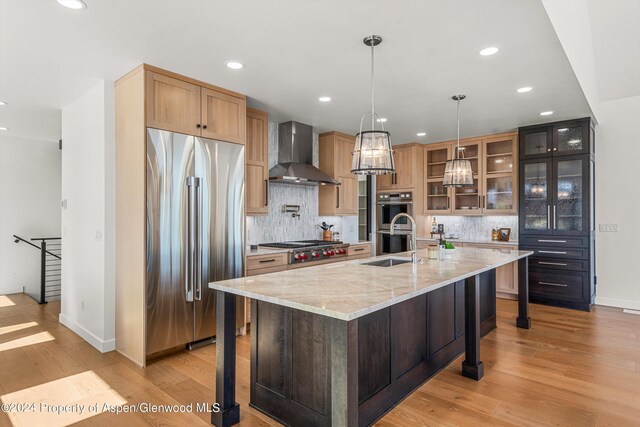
x: 571, y: 368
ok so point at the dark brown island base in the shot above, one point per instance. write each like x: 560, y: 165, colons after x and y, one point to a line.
x: 342, y: 344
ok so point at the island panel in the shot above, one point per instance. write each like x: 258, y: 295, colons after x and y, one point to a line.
x: 398, y: 348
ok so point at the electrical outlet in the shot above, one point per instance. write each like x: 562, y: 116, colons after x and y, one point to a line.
x: 608, y: 228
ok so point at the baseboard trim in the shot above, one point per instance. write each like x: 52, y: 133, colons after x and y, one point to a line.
x: 619, y: 303
x: 100, y: 345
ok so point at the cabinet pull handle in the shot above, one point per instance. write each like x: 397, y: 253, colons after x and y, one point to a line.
x: 562, y: 285
x: 555, y: 148
x: 552, y: 241
x: 552, y: 252
x: 447, y: 202
x: 484, y: 202
x: 548, y: 217
x: 198, y: 125
x: 337, y: 197
x: 266, y: 192
x: 204, y: 126
x: 358, y: 249
x: 554, y: 217
x: 552, y: 263
x: 263, y: 261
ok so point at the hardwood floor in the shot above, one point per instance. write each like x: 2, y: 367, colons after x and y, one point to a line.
x: 572, y: 368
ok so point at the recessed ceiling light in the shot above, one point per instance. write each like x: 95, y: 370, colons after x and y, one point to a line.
x: 234, y: 65
x: 3, y: 103
x: 488, y: 51
x: 381, y: 120
x: 324, y: 99
x: 421, y: 134
x: 546, y: 113
x: 73, y: 4
x: 3, y: 128
x: 525, y: 89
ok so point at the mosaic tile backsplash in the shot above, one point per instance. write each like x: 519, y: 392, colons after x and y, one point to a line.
x: 279, y: 226
x: 476, y: 227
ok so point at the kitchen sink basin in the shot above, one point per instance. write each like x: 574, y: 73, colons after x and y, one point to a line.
x: 389, y: 262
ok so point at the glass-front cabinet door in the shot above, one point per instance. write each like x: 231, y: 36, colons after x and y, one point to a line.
x: 437, y: 198
x: 535, y: 143
x: 500, y: 176
x: 467, y: 200
x: 571, y: 138
x: 536, y: 199
x: 570, y: 210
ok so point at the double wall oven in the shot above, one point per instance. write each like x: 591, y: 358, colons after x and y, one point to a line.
x: 390, y: 204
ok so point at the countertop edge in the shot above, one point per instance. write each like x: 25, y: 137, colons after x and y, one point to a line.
x: 363, y: 312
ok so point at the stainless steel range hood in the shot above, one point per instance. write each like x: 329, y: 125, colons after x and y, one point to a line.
x: 295, y: 157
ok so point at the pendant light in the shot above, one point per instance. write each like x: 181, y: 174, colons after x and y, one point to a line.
x: 373, y: 154
x: 458, y: 172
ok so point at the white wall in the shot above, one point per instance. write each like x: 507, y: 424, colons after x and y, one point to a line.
x: 29, y: 207
x: 570, y: 20
x: 618, y: 202
x: 88, y: 286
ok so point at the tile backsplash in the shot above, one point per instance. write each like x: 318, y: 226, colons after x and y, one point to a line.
x: 279, y: 226
x: 475, y: 227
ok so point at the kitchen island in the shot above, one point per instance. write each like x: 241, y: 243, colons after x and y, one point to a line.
x: 340, y: 344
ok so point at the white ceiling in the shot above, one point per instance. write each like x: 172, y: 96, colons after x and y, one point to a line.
x: 615, y: 30
x: 295, y: 51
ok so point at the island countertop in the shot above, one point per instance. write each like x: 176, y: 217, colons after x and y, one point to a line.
x: 350, y: 289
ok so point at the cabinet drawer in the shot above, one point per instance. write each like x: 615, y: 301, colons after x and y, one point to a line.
x: 557, y: 252
x: 359, y: 250
x: 559, y: 264
x: 564, y: 285
x: 267, y: 261
x: 574, y: 242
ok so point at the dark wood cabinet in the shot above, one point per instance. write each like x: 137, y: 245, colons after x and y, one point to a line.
x: 557, y: 211
x: 398, y: 348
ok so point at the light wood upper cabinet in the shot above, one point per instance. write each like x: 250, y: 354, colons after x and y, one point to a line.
x: 437, y: 198
x: 172, y: 104
x: 335, y: 154
x: 257, y: 165
x: 223, y: 116
x: 180, y: 104
x: 494, y: 162
x: 408, y: 164
x: 500, y: 174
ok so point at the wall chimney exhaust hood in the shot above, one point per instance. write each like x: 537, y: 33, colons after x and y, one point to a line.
x: 295, y: 157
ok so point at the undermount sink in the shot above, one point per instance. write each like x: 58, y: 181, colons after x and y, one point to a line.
x: 389, y: 262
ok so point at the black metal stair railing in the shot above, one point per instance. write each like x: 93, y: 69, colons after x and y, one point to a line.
x: 50, y: 266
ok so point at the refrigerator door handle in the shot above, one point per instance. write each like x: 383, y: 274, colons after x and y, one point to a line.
x: 198, y: 240
x: 190, y: 257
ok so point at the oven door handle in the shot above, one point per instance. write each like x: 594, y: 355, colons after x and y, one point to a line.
x: 394, y: 203
x: 396, y: 233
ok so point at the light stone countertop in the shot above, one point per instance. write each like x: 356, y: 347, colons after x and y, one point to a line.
x: 485, y: 242
x: 270, y: 251
x: 347, y: 290
x: 264, y: 251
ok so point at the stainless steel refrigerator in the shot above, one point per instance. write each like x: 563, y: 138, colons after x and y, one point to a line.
x: 195, y: 233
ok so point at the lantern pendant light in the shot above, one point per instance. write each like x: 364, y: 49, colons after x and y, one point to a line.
x: 458, y: 172
x: 373, y: 154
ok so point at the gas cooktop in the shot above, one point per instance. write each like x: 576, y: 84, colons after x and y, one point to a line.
x: 300, y: 244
